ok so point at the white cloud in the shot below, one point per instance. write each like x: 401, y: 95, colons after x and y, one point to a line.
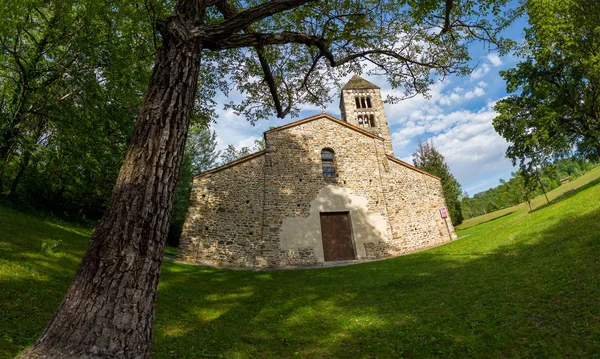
x: 400, y: 141
x: 477, y: 92
x: 463, y: 133
x: 468, y: 141
x: 236, y: 130
x: 480, y: 72
x: 415, y: 108
x: 494, y: 59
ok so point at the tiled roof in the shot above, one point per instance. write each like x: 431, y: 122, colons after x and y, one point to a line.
x: 358, y: 83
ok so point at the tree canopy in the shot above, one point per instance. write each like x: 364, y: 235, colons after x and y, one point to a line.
x: 71, y: 77
x: 297, y: 57
x: 555, y: 103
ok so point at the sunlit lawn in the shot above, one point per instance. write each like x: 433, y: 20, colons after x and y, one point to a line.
x: 524, y: 285
x: 590, y: 178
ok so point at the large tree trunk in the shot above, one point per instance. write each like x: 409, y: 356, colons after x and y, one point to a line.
x: 108, y: 311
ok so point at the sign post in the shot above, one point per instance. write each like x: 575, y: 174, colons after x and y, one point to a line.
x: 444, y: 214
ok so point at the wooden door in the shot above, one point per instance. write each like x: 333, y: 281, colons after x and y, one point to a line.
x: 337, y: 236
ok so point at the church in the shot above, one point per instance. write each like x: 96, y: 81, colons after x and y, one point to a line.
x: 324, y: 190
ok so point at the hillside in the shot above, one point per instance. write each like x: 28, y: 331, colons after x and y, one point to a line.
x: 523, y: 285
x: 590, y: 178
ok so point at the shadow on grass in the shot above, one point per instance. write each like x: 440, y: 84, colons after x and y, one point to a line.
x: 535, y: 295
x: 37, y: 262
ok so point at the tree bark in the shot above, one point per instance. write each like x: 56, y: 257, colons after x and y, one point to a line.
x: 26, y: 158
x: 22, y: 167
x: 108, y: 311
x: 4, y: 154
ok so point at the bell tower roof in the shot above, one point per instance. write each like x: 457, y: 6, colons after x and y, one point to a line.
x: 358, y: 83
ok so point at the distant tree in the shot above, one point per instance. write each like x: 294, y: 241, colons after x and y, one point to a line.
x: 259, y: 144
x: 523, y: 186
x: 555, y: 98
x: 231, y: 154
x: 200, y: 155
x: 429, y: 159
x: 200, y: 149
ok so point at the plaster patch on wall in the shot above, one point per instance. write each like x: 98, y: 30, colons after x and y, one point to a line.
x: 367, y: 227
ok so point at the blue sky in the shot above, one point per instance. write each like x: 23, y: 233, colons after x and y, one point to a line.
x: 457, y: 117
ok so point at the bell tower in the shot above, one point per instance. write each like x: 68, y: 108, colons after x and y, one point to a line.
x: 361, y: 105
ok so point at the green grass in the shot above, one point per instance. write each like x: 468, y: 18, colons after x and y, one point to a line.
x: 170, y: 251
x: 38, y: 258
x: 590, y: 178
x: 524, y: 285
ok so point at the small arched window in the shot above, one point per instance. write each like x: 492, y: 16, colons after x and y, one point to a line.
x: 360, y: 120
x: 357, y: 100
x: 372, y: 121
x: 369, y: 102
x: 328, y: 163
x: 363, y: 102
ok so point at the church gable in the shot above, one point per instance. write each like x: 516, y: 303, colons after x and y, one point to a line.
x: 231, y: 164
x: 299, y: 189
x: 299, y: 148
x: 321, y: 117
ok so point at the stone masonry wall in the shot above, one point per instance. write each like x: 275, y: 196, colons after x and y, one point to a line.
x: 224, y: 222
x: 265, y: 211
x: 414, y: 201
x: 293, y: 184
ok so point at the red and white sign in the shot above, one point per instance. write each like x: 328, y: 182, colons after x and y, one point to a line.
x: 444, y: 212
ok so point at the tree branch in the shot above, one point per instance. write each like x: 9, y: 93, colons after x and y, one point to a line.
x: 313, y: 66
x: 447, y: 25
x: 286, y: 37
x: 250, y: 16
x: 228, y: 13
x: 261, y: 39
x: 270, y: 80
x: 389, y: 53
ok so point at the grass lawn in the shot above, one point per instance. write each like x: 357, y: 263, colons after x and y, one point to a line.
x: 592, y: 177
x: 523, y: 285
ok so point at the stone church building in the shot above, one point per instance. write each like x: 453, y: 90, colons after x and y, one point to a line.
x: 324, y: 190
